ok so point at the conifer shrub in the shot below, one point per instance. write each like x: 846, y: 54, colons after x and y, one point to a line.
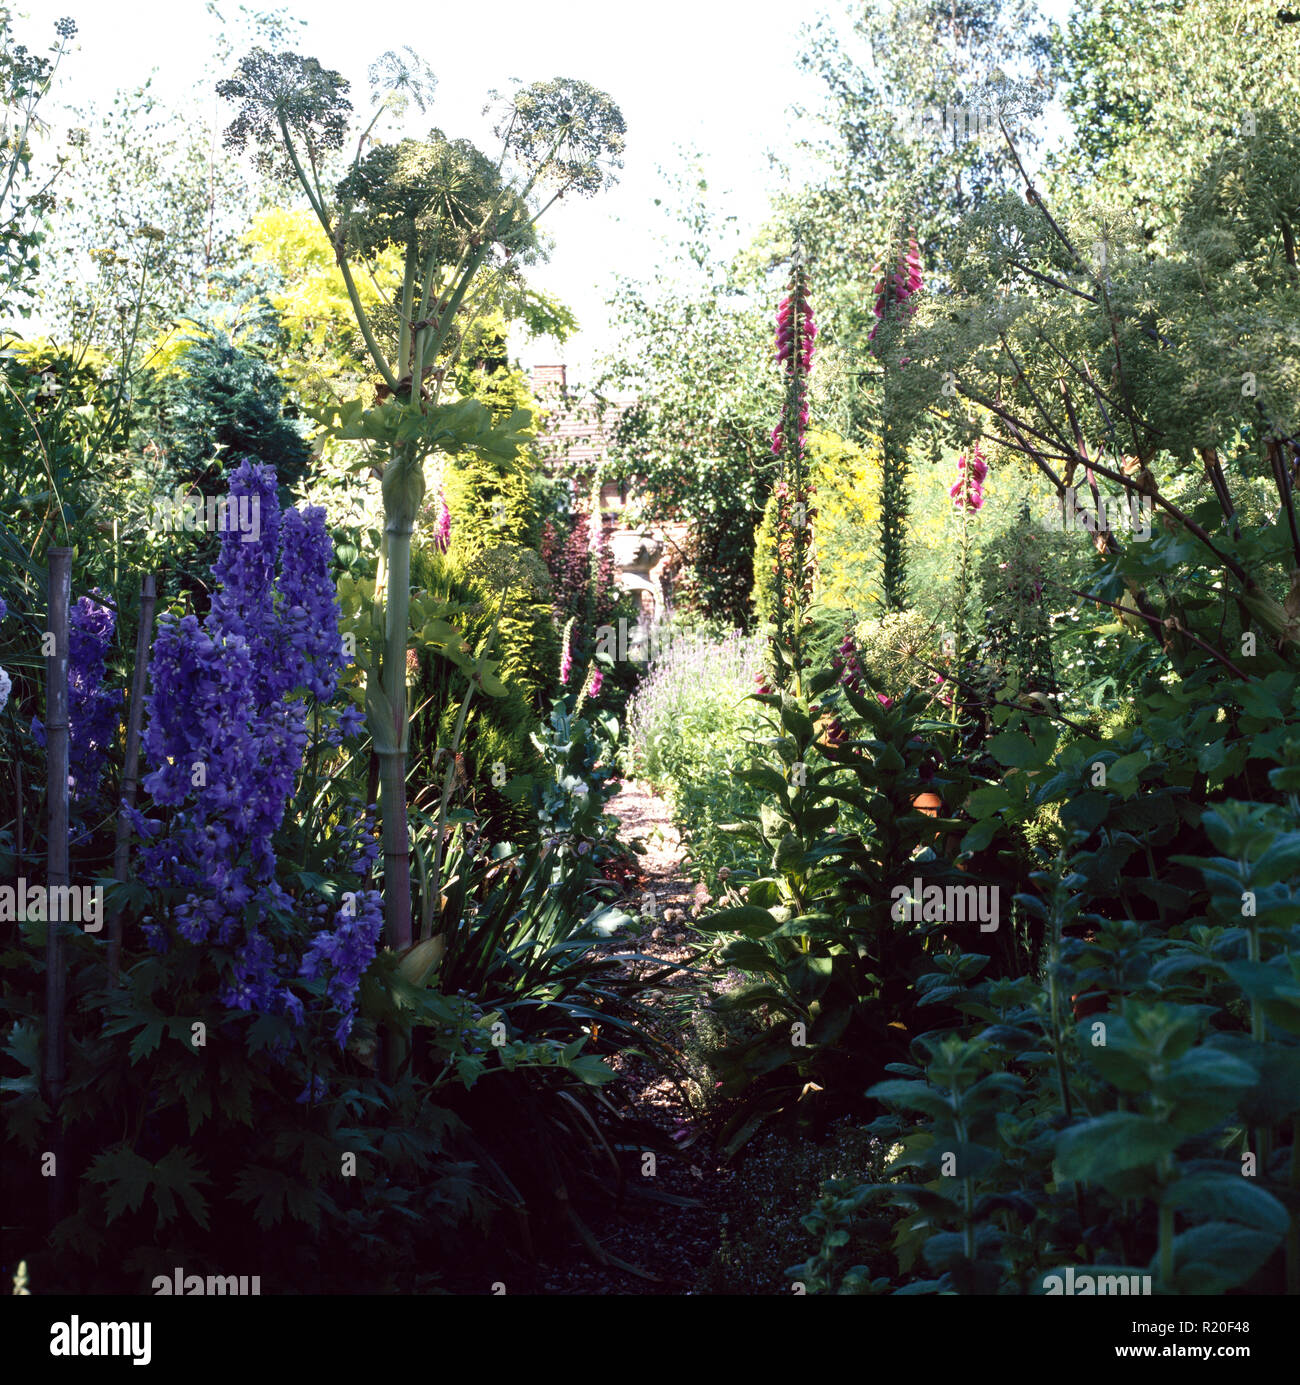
x: 222, y: 399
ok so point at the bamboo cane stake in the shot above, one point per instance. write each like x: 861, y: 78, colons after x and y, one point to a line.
x: 131, y: 767
x: 57, y: 872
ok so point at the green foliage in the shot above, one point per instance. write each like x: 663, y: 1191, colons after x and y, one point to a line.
x: 224, y: 400
x: 529, y: 643
x: 765, y: 565
x: 579, y: 780
x: 1187, y: 426
x: 1017, y: 636
x: 528, y: 936
x: 154, y: 202
x: 833, y: 962
x: 878, y: 172
x: 491, y: 498
x: 698, y: 438
x: 25, y: 82
x: 845, y: 517
x: 1117, y: 1145
x: 246, y: 1137
x: 1154, y: 106
x: 448, y: 604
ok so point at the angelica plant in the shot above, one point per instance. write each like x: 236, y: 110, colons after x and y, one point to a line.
x: 463, y: 223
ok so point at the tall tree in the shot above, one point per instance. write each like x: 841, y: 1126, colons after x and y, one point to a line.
x: 910, y: 135
x: 696, y: 347
x: 1151, y: 90
x: 26, y: 186
x: 917, y: 96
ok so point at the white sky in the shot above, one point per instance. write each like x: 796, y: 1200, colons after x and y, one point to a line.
x: 717, y: 76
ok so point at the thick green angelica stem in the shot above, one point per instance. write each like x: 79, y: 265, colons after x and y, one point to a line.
x: 403, y: 489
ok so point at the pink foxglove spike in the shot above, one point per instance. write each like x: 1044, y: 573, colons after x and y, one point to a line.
x: 913, y: 267
x: 442, y: 526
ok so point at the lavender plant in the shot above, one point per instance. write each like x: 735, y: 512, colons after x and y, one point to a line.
x: 687, y: 728
x: 692, y: 694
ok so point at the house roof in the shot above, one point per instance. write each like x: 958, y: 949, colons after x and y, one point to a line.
x: 576, y: 431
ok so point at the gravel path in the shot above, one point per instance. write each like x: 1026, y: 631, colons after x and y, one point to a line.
x: 671, y: 1243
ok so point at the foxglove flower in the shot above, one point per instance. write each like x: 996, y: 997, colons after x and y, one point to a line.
x: 795, y: 553
x: 847, y: 665
x: 566, y: 658
x: 795, y: 330
x: 442, y: 526
x: 904, y: 284
x: 967, y: 491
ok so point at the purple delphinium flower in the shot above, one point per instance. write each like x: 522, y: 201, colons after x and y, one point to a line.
x: 92, y: 709
x: 315, y: 1090
x: 244, y: 603
x: 227, y: 732
x: 350, y: 722
x: 343, y: 953
x: 358, y: 842
x: 228, y: 767
x: 309, y: 609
